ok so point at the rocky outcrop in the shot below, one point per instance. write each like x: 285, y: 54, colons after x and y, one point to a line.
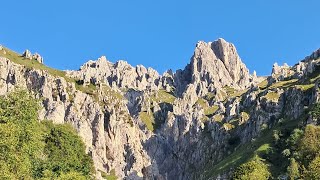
x: 118, y: 75
x: 28, y: 55
x: 38, y: 58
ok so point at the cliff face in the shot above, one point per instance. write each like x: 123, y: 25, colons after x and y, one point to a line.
x: 173, y: 126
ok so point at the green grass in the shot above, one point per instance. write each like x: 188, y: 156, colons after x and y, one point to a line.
x: 245, y: 116
x: 284, y: 84
x: 263, y: 84
x: 160, y: 96
x: 218, y: 118
x: 208, y: 110
x: 112, y: 93
x: 148, y: 120
x: 163, y: 96
x: 229, y: 90
x: 32, y: 64
x: 228, y: 126
x: 272, y: 96
x: 241, y: 155
x: 305, y: 87
x: 232, y: 92
x: 210, y: 96
x: 111, y: 176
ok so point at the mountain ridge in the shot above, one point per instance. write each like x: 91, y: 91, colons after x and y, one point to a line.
x: 139, y: 124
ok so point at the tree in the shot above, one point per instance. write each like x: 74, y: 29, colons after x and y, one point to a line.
x: 30, y: 149
x: 313, y: 171
x: 309, y: 145
x: 66, y: 151
x: 20, y: 136
x: 252, y: 170
x: 293, y: 169
x: 315, y: 112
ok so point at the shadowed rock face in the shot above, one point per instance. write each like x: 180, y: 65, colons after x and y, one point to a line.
x: 191, y: 130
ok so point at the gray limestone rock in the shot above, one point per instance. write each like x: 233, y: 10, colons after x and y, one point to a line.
x: 27, y: 54
x: 188, y: 139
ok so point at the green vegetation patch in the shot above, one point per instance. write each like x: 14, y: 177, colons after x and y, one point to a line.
x: 248, y: 151
x: 208, y: 110
x: 31, y: 149
x: 232, y: 92
x: 244, y: 117
x: 32, y: 64
x: 111, y: 176
x: 163, y: 96
x: 218, y: 118
x: 272, y: 96
x: 263, y: 84
x: 148, y: 120
x: 228, y: 126
x: 284, y: 84
x: 305, y: 87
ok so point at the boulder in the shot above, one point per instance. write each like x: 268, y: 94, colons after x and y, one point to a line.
x: 27, y: 54
x: 38, y: 58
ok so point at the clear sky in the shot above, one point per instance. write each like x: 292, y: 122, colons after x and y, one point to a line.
x: 160, y: 34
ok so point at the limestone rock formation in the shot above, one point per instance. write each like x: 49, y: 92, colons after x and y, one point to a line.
x: 215, y: 65
x: 118, y: 75
x: 38, y: 58
x: 177, y: 125
x: 27, y: 54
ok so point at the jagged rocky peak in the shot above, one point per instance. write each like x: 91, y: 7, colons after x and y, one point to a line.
x: 117, y: 75
x: 217, y: 64
x: 307, y: 66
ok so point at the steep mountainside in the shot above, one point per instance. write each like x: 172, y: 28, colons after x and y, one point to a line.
x: 197, y: 123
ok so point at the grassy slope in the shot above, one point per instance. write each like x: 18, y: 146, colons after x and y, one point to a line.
x: 18, y: 59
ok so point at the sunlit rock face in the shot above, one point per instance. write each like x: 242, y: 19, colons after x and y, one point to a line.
x: 144, y: 125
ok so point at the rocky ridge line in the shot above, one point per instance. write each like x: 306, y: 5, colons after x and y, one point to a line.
x: 193, y: 122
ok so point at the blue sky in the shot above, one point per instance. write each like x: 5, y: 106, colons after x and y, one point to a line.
x: 160, y: 34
